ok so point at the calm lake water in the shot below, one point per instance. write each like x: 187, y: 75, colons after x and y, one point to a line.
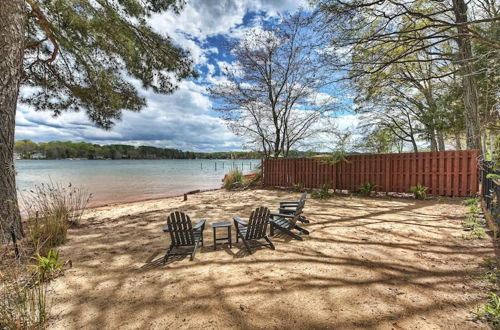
x: 112, y: 181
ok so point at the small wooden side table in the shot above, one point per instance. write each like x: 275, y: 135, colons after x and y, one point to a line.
x: 227, y: 239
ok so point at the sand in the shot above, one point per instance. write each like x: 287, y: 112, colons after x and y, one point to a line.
x: 367, y: 263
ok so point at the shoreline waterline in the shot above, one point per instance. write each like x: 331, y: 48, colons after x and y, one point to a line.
x: 148, y: 199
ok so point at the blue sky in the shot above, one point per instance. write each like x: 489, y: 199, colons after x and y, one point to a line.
x: 183, y: 120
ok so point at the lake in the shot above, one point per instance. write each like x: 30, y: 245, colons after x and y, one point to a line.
x: 113, y: 181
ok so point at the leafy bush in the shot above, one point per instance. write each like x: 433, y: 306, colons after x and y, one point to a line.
x: 233, y: 179
x: 471, y: 221
x: 419, y: 191
x: 367, y: 188
x: 323, y: 192
x: 473, y: 209
x: 491, y: 311
x: 474, y: 224
x: 476, y: 233
x: 470, y: 202
x: 297, y: 187
x: 48, y: 266
x: 51, y: 210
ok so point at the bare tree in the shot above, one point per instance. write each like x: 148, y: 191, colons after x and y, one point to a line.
x: 276, y: 90
x: 404, y: 28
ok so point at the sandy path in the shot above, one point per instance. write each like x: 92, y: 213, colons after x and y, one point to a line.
x: 368, y: 263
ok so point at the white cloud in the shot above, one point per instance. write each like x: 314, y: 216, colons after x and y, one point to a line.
x: 182, y: 120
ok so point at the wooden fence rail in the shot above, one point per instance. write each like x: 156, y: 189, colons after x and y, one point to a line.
x: 445, y: 173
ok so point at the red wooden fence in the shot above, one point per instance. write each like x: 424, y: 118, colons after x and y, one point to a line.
x: 446, y: 173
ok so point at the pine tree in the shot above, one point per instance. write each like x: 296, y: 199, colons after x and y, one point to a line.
x: 78, y: 55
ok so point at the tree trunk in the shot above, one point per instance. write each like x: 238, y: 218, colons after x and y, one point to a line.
x: 432, y: 139
x: 471, y: 104
x: 12, y: 22
x: 458, y: 141
x: 440, y: 140
x: 414, y: 144
x: 484, y: 148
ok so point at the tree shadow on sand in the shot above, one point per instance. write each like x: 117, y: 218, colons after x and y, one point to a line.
x: 352, y: 272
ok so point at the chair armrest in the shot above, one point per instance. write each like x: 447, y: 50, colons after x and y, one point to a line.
x: 200, y: 224
x: 289, y: 203
x: 294, y: 206
x: 166, y: 229
x: 239, y: 221
x: 281, y: 215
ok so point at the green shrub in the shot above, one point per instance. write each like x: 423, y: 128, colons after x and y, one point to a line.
x: 48, y: 266
x: 493, y: 176
x: 51, y: 210
x: 491, y: 311
x: 474, y: 209
x: 488, y: 263
x: 471, y: 221
x: 367, y: 188
x: 474, y: 224
x: 492, y: 274
x: 233, y: 179
x: 470, y: 202
x: 323, y: 192
x: 419, y: 191
x: 476, y: 233
x: 297, y: 187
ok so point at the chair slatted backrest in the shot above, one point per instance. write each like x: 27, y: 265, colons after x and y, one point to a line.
x: 257, y: 224
x: 181, y: 229
x: 296, y: 214
x: 300, y: 205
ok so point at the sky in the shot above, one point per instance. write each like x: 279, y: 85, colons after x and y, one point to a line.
x: 183, y: 120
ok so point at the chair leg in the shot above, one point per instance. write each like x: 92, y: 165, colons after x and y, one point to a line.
x: 304, y: 219
x: 167, y: 255
x: 269, y: 242
x: 272, y: 230
x: 291, y: 233
x: 247, y: 245
x: 194, y: 251
x: 301, y: 229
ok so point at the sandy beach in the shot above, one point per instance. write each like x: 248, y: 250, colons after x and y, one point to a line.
x: 383, y: 263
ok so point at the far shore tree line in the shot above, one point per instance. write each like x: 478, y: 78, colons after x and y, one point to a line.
x: 27, y: 149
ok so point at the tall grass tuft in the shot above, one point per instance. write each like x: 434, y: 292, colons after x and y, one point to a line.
x: 233, y: 179
x: 23, y: 299
x: 51, y: 209
x: 491, y: 311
